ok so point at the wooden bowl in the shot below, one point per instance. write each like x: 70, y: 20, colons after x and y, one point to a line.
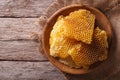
x: 101, y: 20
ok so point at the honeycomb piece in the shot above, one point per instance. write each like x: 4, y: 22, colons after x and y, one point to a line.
x: 103, y: 56
x: 57, y: 31
x: 100, y: 39
x: 79, y: 25
x: 87, y: 54
x: 59, y: 45
x: 84, y: 55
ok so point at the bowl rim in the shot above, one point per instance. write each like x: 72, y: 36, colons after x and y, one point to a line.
x: 50, y: 58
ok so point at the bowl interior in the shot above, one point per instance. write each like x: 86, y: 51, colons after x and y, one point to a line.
x: 101, y: 20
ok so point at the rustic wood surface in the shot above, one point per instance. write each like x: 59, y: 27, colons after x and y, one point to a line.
x: 23, y: 8
x: 10, y: 70
x: 18, y: 28
x: 19, y: 55
x: 20, y: 58
x: 16, y: 39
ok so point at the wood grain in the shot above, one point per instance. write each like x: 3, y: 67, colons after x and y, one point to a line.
x: 19, y: 55
x: 20, y: 50
x: 23, y: 8
x: 10, y: 70
x: 18, y: 28
x: 16, y: 41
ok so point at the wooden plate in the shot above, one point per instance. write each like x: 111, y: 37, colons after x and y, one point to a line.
x: 101, y: 20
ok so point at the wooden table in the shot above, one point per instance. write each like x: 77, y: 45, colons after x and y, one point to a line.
x: 19, y: 55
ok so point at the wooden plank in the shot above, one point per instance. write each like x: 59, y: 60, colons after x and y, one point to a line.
x: 18, y: 28
x: 20, y: 50
x: 34, y: 8
x: 16, y: 41
x: 10, y: 70
x: 23, y: 8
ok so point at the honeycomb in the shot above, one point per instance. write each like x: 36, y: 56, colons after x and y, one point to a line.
x: 60, y: 47
x: 57, y: 31
x: 59, y: 44
x: 75, y: 41
x: 103, y: 56
x: 79, y: 25
x: 100, y: 38
x: 87, y: 54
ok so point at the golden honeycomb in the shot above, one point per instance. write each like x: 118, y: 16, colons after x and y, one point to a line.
x: 87, y: 54
x: 104, y: 55
x: 79, y: 25
x: 59, y: 44
x: 57, y: 31
x: 100, y: 38
x: 75, y: 42
x: 60, y: 48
